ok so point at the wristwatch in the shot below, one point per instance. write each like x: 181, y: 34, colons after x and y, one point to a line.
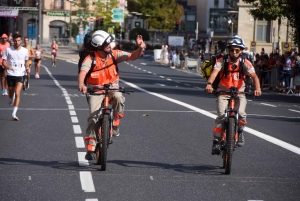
x: 208, y: 83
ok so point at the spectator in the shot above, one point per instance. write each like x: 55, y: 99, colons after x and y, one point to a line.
x: 182, y: 55
x: 297, y: 74
x: 287, y: 69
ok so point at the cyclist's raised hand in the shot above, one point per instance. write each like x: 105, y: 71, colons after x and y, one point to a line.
x: 82, y: 88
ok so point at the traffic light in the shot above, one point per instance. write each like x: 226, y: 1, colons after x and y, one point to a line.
x: 177, y: 26
x: 97, y: 23
x: 101, y: 22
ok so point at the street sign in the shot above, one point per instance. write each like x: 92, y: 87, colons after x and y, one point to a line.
x: 117, y: 15
x: 286, y: 46
x: 252, y: 46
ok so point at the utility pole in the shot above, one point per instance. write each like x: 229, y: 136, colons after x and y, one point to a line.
x: 39, y: 35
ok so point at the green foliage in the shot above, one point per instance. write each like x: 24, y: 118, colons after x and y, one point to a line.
x: 277, y: 9
x: 267, y: 9
x: 139, y: 31
x: 163, y: 13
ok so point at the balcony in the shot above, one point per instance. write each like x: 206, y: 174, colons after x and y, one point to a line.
x: 57, y: 5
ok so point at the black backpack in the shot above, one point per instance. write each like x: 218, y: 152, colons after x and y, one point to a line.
x: 89, y: 49
x: 248, y: 80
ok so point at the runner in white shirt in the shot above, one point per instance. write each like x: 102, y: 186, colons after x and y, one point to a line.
x: 15, y: 61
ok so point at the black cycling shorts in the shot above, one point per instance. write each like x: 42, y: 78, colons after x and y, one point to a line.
x: 1, y: 69
x: 12, y: 80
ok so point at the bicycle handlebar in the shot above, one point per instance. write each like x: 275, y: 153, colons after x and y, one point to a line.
x: 92, y: 91
x: 217, y: 93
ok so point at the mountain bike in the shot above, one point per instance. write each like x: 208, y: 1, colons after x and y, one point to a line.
x: 105, y: 120
x: 230, y: 126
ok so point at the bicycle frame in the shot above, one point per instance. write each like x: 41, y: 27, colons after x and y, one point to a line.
x: 230, y: 129
x: 104, y: 134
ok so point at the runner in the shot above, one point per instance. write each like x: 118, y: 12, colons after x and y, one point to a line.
x: 3, y: 45
x: 54, y: 48
x: 31, y: 56
x: 39, y: 54
x: 15, y: 61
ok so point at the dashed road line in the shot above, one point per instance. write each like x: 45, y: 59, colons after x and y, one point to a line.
x: 77, y: 129
x: 268, y: 104
x: 87, y: 183
x: 79, y: 142
x: 294, y: 110
x: 81, y: 159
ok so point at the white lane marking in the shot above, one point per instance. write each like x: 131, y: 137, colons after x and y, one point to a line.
x: 151, y: 178
x: 154, y: 74
x: 71, y: 107
x: 69, y: 102
x: 268, y: 104
x: 144, y: 70
x: 199, y: 88
x: 81, y: 159
x: 74, y: 119
x: 294, y: 110
x: 30, y: 94
x: 77, y: 129
x: 139, y: 68
x: 169, y: 79
x: 161, y: 76
x: 150, y: 72
x: 249, y: 100
x: 29, y: 177
x: 177, y: 82
x: 67, y: 97
x: 160, y: 84
x: 143, y: 64
x: 72, y: 112
x: 91, y: 199
x: 79, y: 142
x: 187, y: 85
x: 87, y: 183
x: 261, y: 135
x: 131, y: 64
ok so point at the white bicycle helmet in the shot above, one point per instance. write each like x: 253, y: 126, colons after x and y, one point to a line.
x: 236, y: 41
x: 101, y: 38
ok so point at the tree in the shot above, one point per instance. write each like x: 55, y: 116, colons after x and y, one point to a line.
x: 139, y: 31
x: 163, y: 13
x: 276, y: 10
x: 269, y: 10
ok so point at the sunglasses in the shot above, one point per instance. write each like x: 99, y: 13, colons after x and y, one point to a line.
x: 235, y: 50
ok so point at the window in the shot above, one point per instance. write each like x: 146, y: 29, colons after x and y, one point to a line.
x: 263, y: 31
x: 57, y: 4
x: 216, y: 3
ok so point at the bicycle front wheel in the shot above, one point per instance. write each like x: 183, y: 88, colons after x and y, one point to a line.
x: 229, y: 144
x: 105, y: 132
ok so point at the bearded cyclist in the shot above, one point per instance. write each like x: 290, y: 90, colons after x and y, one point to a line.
x: 232, y: 78
x: 104, y: 72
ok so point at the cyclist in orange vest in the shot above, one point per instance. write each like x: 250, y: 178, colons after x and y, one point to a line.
x: 104, y: 72
x: 233, y: 77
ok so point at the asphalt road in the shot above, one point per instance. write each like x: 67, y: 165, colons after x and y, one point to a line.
x: 163, y: 152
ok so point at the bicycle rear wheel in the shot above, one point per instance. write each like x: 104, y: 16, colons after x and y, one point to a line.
x: 229, y: 144
x: 105, y: 132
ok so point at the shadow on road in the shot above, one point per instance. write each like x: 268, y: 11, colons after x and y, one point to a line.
x: 184, y: 168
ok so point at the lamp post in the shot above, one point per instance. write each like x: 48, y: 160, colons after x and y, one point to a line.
x: 71, y: 20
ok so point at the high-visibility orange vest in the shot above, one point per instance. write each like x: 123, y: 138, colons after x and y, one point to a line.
x: 104, y: 72
x: 232, y: 78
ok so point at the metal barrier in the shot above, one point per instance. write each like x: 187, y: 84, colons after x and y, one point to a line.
x: 191, y: 63
x: 278, y: 85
